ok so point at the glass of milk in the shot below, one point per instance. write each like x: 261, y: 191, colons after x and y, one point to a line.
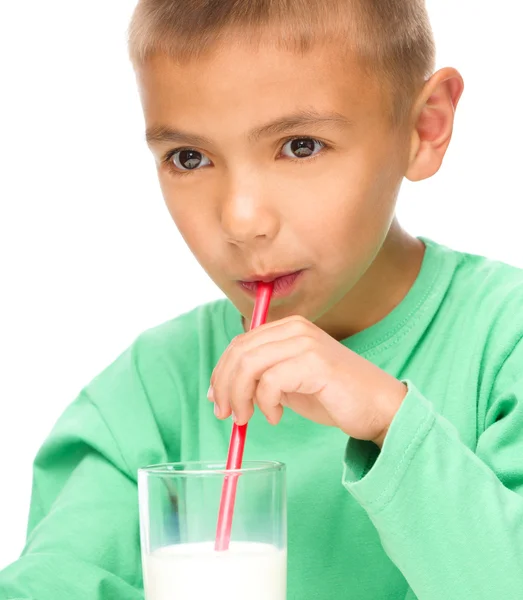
x: 179, y: 505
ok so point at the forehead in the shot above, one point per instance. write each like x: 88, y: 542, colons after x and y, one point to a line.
x: 244, y: 83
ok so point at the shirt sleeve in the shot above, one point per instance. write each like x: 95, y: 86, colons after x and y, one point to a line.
x: 450, y: 519
x: 83, y: 539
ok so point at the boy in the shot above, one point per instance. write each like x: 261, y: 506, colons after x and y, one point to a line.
x: 282, y: 132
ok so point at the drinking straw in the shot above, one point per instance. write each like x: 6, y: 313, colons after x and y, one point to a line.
x: 237, y: 442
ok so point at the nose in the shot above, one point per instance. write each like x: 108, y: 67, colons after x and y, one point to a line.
x: 248, y: 218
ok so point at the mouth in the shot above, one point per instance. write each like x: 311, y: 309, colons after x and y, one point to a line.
x: 284, y: 283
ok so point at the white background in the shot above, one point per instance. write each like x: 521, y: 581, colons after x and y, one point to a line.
x: 89, y: 256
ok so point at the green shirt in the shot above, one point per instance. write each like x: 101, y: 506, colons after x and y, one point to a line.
x: 437, y: 515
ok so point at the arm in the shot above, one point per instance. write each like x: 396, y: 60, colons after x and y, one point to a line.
x: 83, y: 532
x: 450, y: 519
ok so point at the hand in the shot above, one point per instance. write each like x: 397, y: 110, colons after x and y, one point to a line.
x: 292, y: 363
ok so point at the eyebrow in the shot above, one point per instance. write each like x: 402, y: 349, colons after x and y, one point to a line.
x: 305, y: 118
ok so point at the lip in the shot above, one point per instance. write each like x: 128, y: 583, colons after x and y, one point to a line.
x: 268, y: 277
x: 284, y: 282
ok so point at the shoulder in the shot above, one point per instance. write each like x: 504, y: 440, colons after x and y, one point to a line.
x: 184, y: 345
x: 187, y: 330
x: 487, y: 290
x: 139, y: 396
x: 485, y: 304
x: 172, y: 350
x: 482, y: 306
x: 488, y: 275
x: 480, y: 323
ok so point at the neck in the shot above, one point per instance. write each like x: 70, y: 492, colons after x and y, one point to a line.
x: 383, y: 286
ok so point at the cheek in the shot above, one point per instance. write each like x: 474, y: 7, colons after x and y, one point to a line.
x: 350, y: 215
x: 350, y: 200
x: 192, y: 220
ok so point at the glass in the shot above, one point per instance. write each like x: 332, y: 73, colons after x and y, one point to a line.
x: 179, y: 506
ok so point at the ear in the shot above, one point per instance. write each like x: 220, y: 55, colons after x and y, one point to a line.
x: 433, y: 123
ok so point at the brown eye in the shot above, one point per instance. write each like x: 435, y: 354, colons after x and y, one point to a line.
x: 302, y: 147
x: 189, y: 160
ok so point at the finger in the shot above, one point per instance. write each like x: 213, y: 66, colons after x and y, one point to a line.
x: 279, y: 330
x: 282, y: 380
x: 219, y: 380
x: 245, y: 374
x: 222, y: 380
x: 280, y: 322
x: 271, y: 404
x: 235, y: 342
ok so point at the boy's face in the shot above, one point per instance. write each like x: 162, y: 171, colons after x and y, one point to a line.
x: 275, y: 163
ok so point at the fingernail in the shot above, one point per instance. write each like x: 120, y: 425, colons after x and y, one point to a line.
x: 216, y: 410
x: 233, y: 416
x: 210, y: 393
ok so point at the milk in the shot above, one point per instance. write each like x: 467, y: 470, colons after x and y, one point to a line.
x: 196, y: 571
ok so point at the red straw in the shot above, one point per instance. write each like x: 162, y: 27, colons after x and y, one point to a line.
x: 239, y: 432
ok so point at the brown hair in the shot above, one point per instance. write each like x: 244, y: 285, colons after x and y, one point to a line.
x: 391, y: 37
